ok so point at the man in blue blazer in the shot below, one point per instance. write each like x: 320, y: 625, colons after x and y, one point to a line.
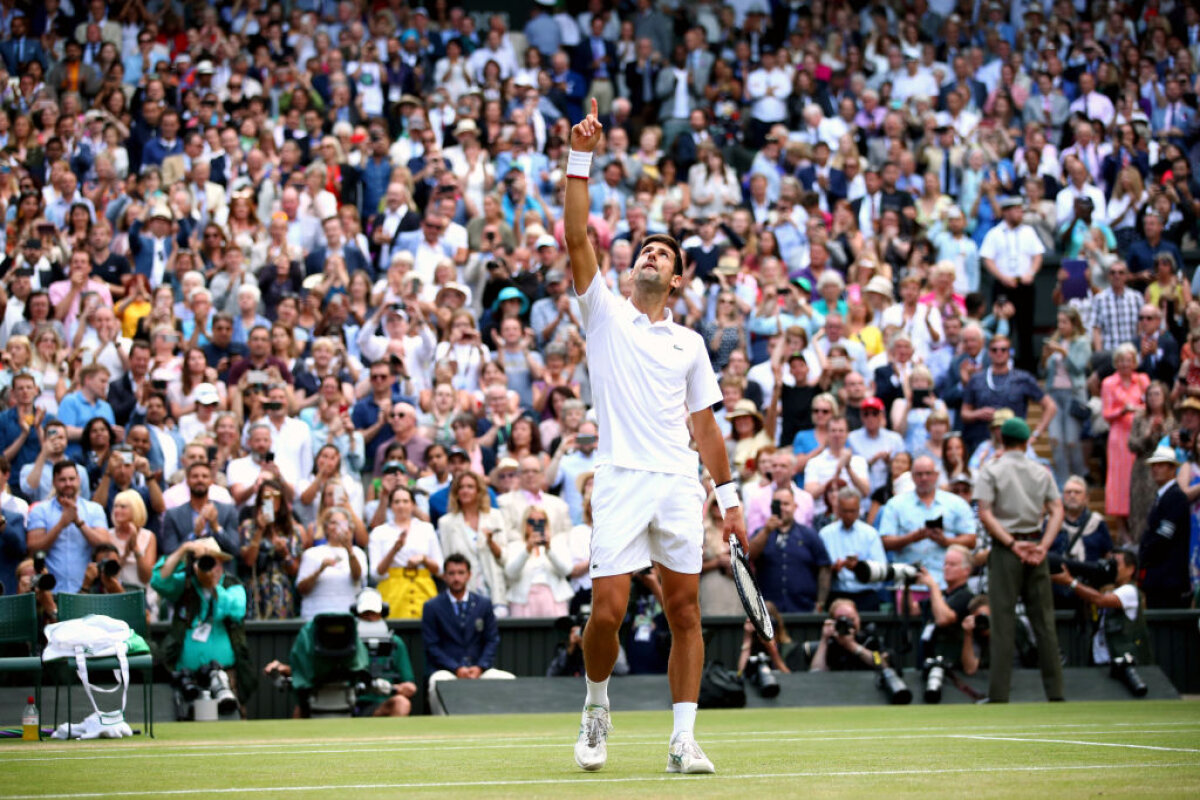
x: 460, y: 633
x: 1175, y: 121
x: 22, y: 48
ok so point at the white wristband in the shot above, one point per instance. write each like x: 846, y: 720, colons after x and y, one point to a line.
x: 579, y: 164
x: 727, y: 496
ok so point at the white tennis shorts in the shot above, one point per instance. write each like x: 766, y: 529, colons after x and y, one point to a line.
x: 640, y: 516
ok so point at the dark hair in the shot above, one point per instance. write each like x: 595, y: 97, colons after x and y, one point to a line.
x: 456, y: 558
x: 428, y: 450
x: 1128, y: 556
x: 1012, y: 441
x: 105, y: 547
x: 5, y: 466
x: 140, y: 344
x: 85, y: 440
x: 400, y: 488
x: 670, y: 242
x: 63, y: 465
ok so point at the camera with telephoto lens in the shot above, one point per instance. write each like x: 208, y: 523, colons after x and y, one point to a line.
x: 844, y: 625
x: 1124, y: 670
x: 206, y: 563
x: 935, y: 675
x: 892, y: 685
x: 110, y: 568
x: 983, y: 623
x: 42, y: 581
x: 185, y: 683
x: 878, y: 571
x: 1093, y: 573
x: 758, y: 672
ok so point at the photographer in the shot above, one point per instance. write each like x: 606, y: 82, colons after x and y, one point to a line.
x: 843, y: 646
x: 945, y: 612
x: 793, y: 565
x: 1117, y: 634
x: 207, y: 621
x: 103, y: 575
x: 33, y: 576
x: 977, y: 635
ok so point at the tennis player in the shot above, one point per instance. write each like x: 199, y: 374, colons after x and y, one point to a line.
x: 649, y: 376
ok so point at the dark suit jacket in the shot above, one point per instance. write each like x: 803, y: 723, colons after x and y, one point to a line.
x: 1163, y: 551
x: 314, y: 264
x: 582, y: 57
x: 12, y: 550
x: 32, y: 51
x: 887, y: 387
x: 177, y: 529
x: 978, y: 93
x: 1164, y: 367
x: 837, y: 182
x: 634, y: 81
x: 451, y: 643
x: 122, y: 398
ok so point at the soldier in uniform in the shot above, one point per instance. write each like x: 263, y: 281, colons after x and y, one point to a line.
x: 1014, y: 494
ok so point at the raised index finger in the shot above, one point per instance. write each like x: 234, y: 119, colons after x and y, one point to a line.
x: 595, y: 108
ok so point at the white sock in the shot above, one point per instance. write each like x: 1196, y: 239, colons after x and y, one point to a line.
x: 685, y: 718
x: 597, y: 692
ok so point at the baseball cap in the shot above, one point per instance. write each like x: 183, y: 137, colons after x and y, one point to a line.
x: 506, y: 464
x: 872, y: 402
x: 206, y: 395
x: 457, y: 451
x: 369, y: 600
x: 393, y: 466
x: 555, y: 275
x: 545, y: 240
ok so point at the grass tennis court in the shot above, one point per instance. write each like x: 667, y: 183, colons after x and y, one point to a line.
x: 1029, y: 751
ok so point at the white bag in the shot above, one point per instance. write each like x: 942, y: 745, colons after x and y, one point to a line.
x: 93, y: 636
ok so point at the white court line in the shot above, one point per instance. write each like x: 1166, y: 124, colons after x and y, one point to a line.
x: 586, y: 780
x: 161, y: 746
x: 563, y: 742
x: 1077, y: 741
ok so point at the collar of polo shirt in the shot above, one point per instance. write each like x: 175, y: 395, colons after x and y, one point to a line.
x: 641, y: 318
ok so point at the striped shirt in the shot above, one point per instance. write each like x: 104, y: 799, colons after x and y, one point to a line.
x: 1117, y: 316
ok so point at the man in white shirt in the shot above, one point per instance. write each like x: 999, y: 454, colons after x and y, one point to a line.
x: 768, y: 88
x: 247, y: 474
x: 1093, y: 104
x: 835, y: 463
x: 181, y: 493
x: 650, y: 377
x: 1078, y: 186
x: 915, y: 82
x: 291, y: 439
x: 1012, y: 252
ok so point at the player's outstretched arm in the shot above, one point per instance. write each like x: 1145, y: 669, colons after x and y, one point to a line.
x: 584, y: 138
x: 715, y: 457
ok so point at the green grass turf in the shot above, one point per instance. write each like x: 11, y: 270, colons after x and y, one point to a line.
x: 1064, y: 751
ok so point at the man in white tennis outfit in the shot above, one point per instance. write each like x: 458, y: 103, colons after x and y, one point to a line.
x: 648, y: 376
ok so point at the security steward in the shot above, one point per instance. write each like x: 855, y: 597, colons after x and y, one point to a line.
x: 1014, y: 494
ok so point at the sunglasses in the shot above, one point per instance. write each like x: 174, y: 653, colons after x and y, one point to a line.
x: 998, y: 349
x: 380, y: 377
x: 1147, y: 316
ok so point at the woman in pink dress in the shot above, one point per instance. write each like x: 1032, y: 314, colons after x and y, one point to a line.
x: 1121, y: 395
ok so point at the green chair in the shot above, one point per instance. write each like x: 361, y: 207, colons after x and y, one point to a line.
x: 19, y: 625
x: 129, y: 607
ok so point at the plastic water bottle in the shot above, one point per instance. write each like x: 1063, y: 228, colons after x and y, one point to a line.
x: 31, y: 721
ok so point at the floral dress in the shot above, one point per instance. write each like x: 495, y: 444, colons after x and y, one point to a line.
x: 271, y: 592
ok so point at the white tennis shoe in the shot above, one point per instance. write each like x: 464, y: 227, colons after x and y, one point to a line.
x: 591, y: 748
x: 685, y: 756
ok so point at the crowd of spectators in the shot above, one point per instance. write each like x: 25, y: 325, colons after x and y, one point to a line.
x: 291, y: 276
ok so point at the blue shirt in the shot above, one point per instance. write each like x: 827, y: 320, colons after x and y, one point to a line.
x: 68, y: 557
x: 788, y: 567
x: 905, y: 513
x: 862, y: 541
x: 376, y: 173
x: 10, y: 431
x: 76, y: 411
x: 366, y: 413
x: 45, y: 486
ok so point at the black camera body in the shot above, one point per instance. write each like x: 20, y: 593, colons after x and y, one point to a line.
x: 110, y: 568
x: 758, y: 672
x: 983, y: 623
x: 843, y: 625
x: 892, y: 685
x: 1094, y: 573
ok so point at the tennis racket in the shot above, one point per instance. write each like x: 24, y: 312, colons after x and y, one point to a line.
x: 752, y: 599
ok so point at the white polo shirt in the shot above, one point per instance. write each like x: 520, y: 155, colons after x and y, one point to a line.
x: 1012, y: 249
x: 647, y: 378
x: 822, y: 467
